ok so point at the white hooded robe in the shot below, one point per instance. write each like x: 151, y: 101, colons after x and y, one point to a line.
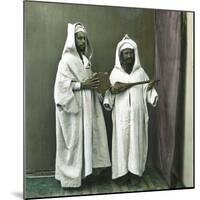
x: 81, y: 139
x: 130, y: 117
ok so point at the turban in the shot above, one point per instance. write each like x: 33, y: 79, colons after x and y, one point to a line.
x: 79, y: 27
x: 126, y: 45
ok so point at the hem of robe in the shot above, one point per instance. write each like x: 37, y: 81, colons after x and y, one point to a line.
x: 68, y: 184
x: 115, y: 176
x: 135, y: 172
x: 102, y: 166
x: 74, y: 183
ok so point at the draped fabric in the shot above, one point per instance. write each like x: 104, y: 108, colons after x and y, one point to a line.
x: 81, y: 139
x: 168, y: 66
x: 130, y: 117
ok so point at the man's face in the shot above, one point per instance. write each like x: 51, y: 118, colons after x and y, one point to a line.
x: 80, y: 39
x: 128, y: 57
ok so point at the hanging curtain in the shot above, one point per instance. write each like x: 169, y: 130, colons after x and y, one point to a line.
x: 169, y: 68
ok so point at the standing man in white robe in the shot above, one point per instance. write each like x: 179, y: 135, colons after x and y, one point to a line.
x: 129, y: 113
x: 81, y: 139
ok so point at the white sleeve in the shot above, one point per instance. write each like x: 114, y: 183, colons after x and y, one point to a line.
x: 76, y: 86
x: 152, y: 97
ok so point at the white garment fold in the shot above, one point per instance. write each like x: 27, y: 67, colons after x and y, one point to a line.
x: 81, y: 139
x: 130, y: 117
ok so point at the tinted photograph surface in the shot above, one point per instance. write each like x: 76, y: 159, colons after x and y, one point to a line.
x: 108, y: 99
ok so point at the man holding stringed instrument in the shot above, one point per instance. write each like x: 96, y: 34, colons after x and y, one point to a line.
x: 81, y: 138
x: 127, y: 97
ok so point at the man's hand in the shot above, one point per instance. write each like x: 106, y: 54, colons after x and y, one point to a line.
x: 119, y: 87
x: 92, y: 83
x: 152, y: 84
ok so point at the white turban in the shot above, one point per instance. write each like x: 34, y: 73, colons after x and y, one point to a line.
x: 70, y: 41
x: 126, y: 45
x: 79, y: 28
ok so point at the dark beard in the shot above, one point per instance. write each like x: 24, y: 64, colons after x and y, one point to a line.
x: 82, y: 49
x: 127, y: 64
x: 127, y: 67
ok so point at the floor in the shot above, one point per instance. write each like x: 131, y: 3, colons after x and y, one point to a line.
x: 47, y: 186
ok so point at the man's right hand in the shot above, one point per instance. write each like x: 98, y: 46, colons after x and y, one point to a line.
x: 92, y: 83
x: 119, y: 87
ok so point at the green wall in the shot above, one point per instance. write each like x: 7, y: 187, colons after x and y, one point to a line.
x: 45, y: 33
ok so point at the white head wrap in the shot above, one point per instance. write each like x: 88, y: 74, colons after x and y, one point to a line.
x: 125, y: 43
x: 80, y: 28
x: 70, y: 45
x: 118, y: 74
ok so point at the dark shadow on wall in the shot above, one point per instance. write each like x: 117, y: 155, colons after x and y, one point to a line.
x: 177, y: 167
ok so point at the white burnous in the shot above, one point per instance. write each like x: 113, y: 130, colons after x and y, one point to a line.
x: 129, y: 110
x: 81, y: 140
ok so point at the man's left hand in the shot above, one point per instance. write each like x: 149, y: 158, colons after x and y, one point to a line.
x: 151, y: 84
